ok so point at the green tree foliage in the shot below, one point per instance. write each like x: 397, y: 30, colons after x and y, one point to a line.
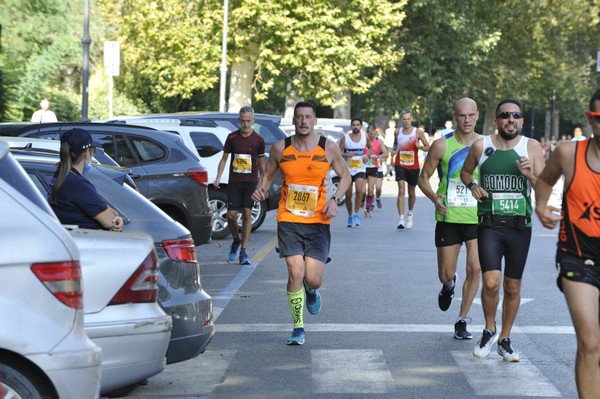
x: 316, y: 49
x: 170, y: 49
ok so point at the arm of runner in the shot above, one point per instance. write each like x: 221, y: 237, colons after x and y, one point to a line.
x: 421, y: 138
x: 369, y: 149
x: 261, y: 164
x: 339, y: 166
x: 532, y: 167
x: 434, y: 157
x: 546, y: 180
x: 262, y: 188
x: 384, y: 151
x: 220, y: 169
x: 468, y: 168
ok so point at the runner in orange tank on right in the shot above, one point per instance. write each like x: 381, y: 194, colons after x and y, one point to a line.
x: 578, y: 247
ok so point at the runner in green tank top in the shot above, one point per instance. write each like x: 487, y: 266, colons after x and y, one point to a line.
x: 455, y: 211
x: 508, y: 167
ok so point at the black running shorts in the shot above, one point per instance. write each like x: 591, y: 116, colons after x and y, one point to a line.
x: 411, y: 176
x: 495, y: 243
x: 448, y: 234
x: 577, y: 269
x: 239, y: 195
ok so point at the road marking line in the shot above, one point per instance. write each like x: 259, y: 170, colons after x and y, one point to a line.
x: 350, y: 371
x: 221, y: 300
x: 384, y: 328
x: 494, y: 377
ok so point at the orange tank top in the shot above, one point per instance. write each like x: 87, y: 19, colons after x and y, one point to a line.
x: 304, y: 191
x: 579, y: 232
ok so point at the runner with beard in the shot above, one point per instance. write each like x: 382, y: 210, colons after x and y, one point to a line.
x: 509, y: 164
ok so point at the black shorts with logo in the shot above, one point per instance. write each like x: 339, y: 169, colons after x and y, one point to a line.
x: 239, y: 195
x: 495, y: 243
x: 448, y: 234
x: 577, y: 269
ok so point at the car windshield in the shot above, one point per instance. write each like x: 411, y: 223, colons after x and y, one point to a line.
x: 13, y: 174
x: 267, y: 129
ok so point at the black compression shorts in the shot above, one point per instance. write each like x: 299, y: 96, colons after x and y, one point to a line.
x: 495, y: 243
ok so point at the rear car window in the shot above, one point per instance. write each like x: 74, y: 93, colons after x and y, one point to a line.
x: 207, y: 144
x: 13, y: 174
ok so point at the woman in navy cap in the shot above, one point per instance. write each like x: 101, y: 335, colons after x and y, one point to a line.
x: 73, y: 198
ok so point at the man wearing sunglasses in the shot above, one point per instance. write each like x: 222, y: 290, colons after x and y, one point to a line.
x: 509, y: 164
x: 578, y: 247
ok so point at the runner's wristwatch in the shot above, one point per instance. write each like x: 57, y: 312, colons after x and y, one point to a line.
x: 337, y: 200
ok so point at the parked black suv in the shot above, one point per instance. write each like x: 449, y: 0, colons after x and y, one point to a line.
x: 163, y: 168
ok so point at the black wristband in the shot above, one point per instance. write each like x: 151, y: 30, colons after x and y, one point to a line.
x: 471, y: 185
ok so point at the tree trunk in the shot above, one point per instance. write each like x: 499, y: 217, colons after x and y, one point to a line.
x: 342, y: 111
x: 240, y: 87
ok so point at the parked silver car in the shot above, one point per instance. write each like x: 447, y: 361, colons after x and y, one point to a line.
x: 44, y: 350
x: 180, y: 292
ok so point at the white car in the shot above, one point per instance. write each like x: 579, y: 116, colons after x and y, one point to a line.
x: 121, y: 314
x: 120, y: 277
x: 45, y: 350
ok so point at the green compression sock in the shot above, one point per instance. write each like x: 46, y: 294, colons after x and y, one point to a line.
x: 296, y: 300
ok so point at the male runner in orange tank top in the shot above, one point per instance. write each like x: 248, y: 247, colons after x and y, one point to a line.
x: 304, y: 212
x: 578, y: 252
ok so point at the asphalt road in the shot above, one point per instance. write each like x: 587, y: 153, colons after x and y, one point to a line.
x: 380, y: 333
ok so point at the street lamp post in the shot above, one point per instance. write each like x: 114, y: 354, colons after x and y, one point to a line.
x: 86, y: 40
x: 224, y: 58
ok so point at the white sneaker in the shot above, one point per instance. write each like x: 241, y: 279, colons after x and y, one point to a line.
x: 507, y: 352
x: 484, y: 346
x: 409, y: 221
x: 401, y: 224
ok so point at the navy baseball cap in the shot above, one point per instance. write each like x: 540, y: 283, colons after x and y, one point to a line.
x: 78, y: 139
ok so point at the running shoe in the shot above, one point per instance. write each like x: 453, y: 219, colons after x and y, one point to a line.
x: 506, y: 350
x: 460, y: 330
x: 244, y: 259
x: 409, y: 221
x: 484, y: 346
x: 356, y: 220
x: 371, y: 208
x: 401, y: 225
x: 235, y: 246
x: 445, y: 296
x: 297, y: 337
x: 349, y: 223
x: 379, y: 204
x: 313, y: 301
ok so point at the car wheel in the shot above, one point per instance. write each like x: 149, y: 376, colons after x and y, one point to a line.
x: 217, y: 200
x: 17, y: 385
x: 335, y: 181
x: 218, y: 206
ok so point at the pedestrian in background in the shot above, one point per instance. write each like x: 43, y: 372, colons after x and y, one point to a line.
x: 578, y: 247
x: 304, y: 212
x: 247, y: 149
x: 374, y: 170
x: 509, y: 164
x: 455, y: 211
x: 44, y: 114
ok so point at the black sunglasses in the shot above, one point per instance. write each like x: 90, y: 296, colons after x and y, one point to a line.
x: 595, y: 116
x: 506, y: 115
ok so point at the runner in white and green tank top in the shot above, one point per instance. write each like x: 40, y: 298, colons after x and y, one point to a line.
x: 509, y: 191
x: 509, y: 164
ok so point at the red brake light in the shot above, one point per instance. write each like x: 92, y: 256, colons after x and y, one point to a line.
x: 180, y: 250
x: 142, y: 286
x: 200, y: 176
x: 63, y: 280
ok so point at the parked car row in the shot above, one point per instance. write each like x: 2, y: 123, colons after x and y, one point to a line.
x: 168, y: 272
